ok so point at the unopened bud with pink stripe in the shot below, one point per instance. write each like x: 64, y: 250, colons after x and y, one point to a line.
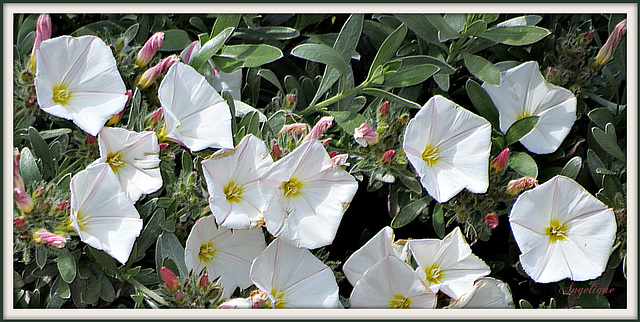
x: 189, y: 52
x: 516, y: 186
x: 365, y: 135
x: 23, y: 200
x: 318, y: 130
x: 606, y: 52
x: 169, y: 278
x: 150, y: 75
x: 388, y: 156
x: 43, y: 32
x: 149, y: 49
x: 44, y: 236
x: 500, y: 162
x: 18, y: 182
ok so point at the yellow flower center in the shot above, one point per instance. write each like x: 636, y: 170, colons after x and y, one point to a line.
x: 61, y: 94
x: 433, y: 274
x: 431, y: 155
x: 115, y: 161
x: 207, y: 252
x: 400, y: 302
x: 233, y: 192
x: 82, y: 221
x: 523, y: 115
x: 291, y: 188
x: 279, y: 297
x: 556, y: 231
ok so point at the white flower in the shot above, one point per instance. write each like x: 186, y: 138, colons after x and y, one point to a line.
x: 449, y: 148
x: 377, y: 248
x: 101, y: 213
x: 223, y: 253
x: 294, y: 278
x: 77, y: 79
x: 562, y: 231
x: 194, y: 113
x: 133, y: 157
x: 487, y: 293
x: 448, y: 264
x: 524, y: 92
x: 391, y: 283
x: 312, y: 192
x: 232, y: 180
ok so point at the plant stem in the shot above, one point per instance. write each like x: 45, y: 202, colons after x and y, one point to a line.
x: 337, y: 98
x: 146, y: 291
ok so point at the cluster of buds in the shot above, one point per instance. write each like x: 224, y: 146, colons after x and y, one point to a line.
x: 44, y: 236
x: 255, y: 301
x: 149, y: 49
x: 365, y: 135
x: 151, y: 74
x: 516, y: 186
x: 43, y: 32
x: 606, y: 52
x: 573, y: 71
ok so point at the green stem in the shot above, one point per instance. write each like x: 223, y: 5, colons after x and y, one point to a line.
x: 336, y: 98
x: 146, y: 291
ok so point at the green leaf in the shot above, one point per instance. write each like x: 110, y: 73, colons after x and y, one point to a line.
x: 443, y: 81
x: 150, y: 232
x: 438, y: 220
x: 210, y: 48
x: 524, y: 304
x: 476, y: 28
x: 321, y: 54
x: 347, y: 120
x: 62, y: 289
x: 107, y: 293
x: 482, y: 68
x: 419, y: 24
x: 91, y: 293
x: 268, y: 33
x: 390, y: 97
x: 41, y: 256
x: 66, y: 265
x: 519, y: 129
x: 572, y: 168
x: 349, y: 35
x: 608, y: 141
x: 107, y: 262
x: 601, y: 116
x: 387, y: 50
x: 408, y: 61
x: 174, y: 40
x: 168, y: 246
x: 594, y: 163
x: 271, y: 77
x: 411, y: 183
x: 41, y: 150
x: 131, y: 32
x: 523, y: 164
x: 28, y: 167
x: 251, y: 55
x: 225, y: 21
x: 529, y: 20
x: 483, y: 103
x: 445, y: 32
x: 409, y: 76
x: 515, y: 36
x: 408, y: 213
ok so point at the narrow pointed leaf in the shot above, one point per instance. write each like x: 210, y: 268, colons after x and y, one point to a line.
x: 519, y: 129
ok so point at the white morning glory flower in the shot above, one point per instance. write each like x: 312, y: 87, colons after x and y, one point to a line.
x: 449, y: 148
x: 223, y: 253
x: 311, y: 192
x: 133, y: 157
x: 77, y: 79
x: 195, y: 115
x: 391, y: 283
x: 562, y: 231
x: 487, y: 293
x: 448, y: 264
x: 377, y: 248
x: 101, y: 213
x: 524, y: 92
x: 294, y: 278
x: 232, y: 177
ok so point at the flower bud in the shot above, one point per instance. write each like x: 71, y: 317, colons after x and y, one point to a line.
x: 39, y: 192
x: 149, y: 49
x: 297, y: 128
x: 163, y: 146
x: 180, y: 295
x: 204, y: 280
x: 516, y: 186
x: 189, y: 52
x: 333, y: 154
x: 492, y: 220
x: 18, y: 182
x: 19, y: 222
x: 340, y: 159
x: 62, y: 206
x: 24, y: 202
x: 365, y: 135
x: 289, y: 102
x: 384, y: 108
x: 500, y: 162
x: 318, y: 130
x: 157, y: 115
x: 237, y: 303
x: 586, y: 38
x: 43, y: 32
x: 606, y: 52
x: 258, y: 297
x: 44, y: 236
x: 90, y: 139
x: 116, y: 118
x: 325, y: 142
x: 150, y: 75
x: 388, y: 156
x: 169, y: 278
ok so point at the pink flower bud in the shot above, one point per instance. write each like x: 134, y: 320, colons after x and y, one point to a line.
x: 258, y: 297
x: 38, y: 192
x: 516, y: 186
x: 150, y: 75
x: 90, y: 139
x: 237, y: 303
x: 318, y: 130
x: 204, y: 280
x: 340, y: 159
x: 333, y: 154
x: 500, y: 162
x: 157, y: 115
x: 169, y: 278
x: 325, y: 142
x: 388, y: 156
x: 275, y: 150
x: 149, y: 49
x: 606, y: 52
x: 163, y: 146
x: 24, y: 202
x: 116, y: 118
x: 365, y: 135
x: 384, y: 108
x: 492, y: 220
x: 18, y: 222
x: 291, y: 98
x: 44, y: 236
x: 188, y: 52
x: 18, y: 182
x: 586, y: 37
x: 43, y: 32
x: 62, y: 206
x: 297, y: 128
